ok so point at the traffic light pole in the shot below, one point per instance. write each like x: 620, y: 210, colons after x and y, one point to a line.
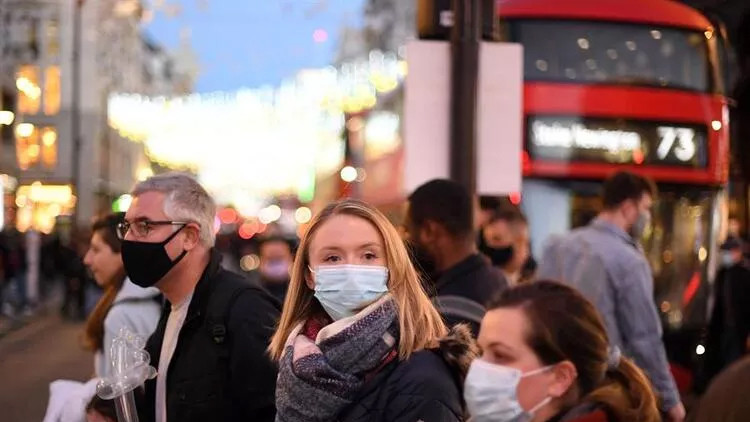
x: 465, y: 41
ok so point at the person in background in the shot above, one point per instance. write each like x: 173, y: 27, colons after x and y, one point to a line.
x: 440, y: 231
x: 604, y: 260
x: 546, y: 357
x: 209, y: 347
x: 229, y: 259
x: 359, y: 340
x: 276, y: 257
x: 13, y: 248
x: 734, y: 228
x: 488, y: 206
x: 729, y: 327
x: 75, y: 276
x: 32, y: 246
x: 495, y: 239
x: 505, y: 241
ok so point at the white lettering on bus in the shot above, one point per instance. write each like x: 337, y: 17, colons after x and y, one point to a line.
x: 577, y: 135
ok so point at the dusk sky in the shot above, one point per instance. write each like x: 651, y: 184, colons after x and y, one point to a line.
x: 249, y: 43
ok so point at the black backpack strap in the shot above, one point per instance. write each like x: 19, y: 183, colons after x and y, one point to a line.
x: 219, y: 306
x: 460, y: 307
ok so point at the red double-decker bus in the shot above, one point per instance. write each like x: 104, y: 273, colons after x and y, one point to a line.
x: 636, y: 85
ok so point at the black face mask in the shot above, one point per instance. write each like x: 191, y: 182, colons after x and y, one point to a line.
x: 146, y: 263
x: 422, y: 260
x: 498, y: 256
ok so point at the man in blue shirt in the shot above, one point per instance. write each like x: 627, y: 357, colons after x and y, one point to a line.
x: 605, y: 262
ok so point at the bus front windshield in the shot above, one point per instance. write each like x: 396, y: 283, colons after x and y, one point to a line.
x: 613, y: 53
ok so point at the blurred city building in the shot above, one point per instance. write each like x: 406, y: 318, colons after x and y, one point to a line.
x: 38, y: 58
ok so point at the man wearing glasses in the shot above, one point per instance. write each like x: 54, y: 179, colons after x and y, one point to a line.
x: 210, y: 345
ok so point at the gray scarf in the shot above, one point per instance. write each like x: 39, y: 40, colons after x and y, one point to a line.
x: 320, y: 377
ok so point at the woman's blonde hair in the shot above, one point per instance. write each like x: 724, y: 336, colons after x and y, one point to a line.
x: 420, y: 323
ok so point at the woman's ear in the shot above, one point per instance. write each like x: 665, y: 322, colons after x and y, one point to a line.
x: 309, y: 279
x: 565, y: 375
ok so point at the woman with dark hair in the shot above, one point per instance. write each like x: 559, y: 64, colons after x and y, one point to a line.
x: 545, y: 357
x: 123, y: 304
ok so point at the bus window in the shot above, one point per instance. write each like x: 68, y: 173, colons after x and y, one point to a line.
x: 613, y: 53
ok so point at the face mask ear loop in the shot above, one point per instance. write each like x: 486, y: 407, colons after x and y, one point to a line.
x: 546, y: 400
x: 540, y: 405
x: 173, y: 235
x: 537, y: 371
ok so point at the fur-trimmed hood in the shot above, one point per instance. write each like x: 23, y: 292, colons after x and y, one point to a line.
x: 459, y: 348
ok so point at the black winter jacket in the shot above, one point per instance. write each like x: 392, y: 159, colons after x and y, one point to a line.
x: 233, y: 381
x: 475, y: 279
x: 428, y: 386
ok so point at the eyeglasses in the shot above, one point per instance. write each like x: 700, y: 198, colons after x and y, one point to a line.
x: 142, y: 228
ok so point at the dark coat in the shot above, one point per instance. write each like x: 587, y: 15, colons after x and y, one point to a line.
x: 729, y: 328
x: 428, y: 386
x: 473, y: 278
x: 229, y: 382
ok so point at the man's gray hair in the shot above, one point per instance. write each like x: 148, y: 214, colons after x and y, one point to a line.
x: 185, y: 200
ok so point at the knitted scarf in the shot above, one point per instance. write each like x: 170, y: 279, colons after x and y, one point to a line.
x: 321, y: 374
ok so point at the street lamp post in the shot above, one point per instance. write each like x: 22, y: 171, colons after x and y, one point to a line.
x: 75, y: 125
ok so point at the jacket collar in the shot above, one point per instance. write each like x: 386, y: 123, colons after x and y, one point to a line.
x: 457, y: 272
x: 605, y: 226
x: 204, y: 288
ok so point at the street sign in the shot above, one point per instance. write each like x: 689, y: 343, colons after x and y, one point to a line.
x: 499, y: 116
x: 426, y: 109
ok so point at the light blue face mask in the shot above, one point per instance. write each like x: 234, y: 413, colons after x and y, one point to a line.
x: 491, y: 393
x: 727, y: 259
x: 343, y: 290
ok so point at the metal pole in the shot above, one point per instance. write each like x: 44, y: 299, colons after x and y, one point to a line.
x: 3, y: 36
x: 76, y: 109
x: 465, y: 39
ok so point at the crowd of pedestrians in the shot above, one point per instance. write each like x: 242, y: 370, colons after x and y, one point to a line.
x: 447, y: 320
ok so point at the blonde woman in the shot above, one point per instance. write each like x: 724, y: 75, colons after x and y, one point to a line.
x: 359, y: 340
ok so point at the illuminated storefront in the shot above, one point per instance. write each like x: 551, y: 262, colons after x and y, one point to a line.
x: 39, y: 205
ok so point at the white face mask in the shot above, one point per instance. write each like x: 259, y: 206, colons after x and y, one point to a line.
x: 491, y: 393
x: 343, y: 289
